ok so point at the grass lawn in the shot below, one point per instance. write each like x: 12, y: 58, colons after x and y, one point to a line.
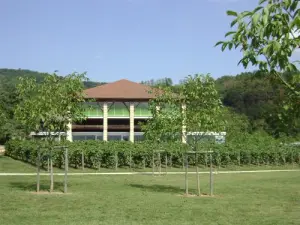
x: 257, y: 198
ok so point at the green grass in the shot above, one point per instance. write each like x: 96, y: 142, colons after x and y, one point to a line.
x: 258, y: 198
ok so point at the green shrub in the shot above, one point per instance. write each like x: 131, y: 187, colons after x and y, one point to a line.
x: 139, y: 155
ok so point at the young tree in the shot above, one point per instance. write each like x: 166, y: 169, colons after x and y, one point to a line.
x: 51, y: 105
x: 166, y: 121
x: 203, y: 109
x: 196, y: 108
x: 203, y: 104
x: 268, y: 36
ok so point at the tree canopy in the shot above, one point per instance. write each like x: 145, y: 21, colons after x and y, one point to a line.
x: 196, y: 108
x: 49, y: 106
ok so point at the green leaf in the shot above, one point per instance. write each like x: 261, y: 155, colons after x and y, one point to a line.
x: 294, y: 5
x: 262, y: 1
x: 234, y: 22
x: 224, y: 46
x: 292, y: 68
x: 286, y: 107
x: 257, y: 9
x: 231, y: 13
x: 295, y: 23
x: 218, y: 43
x: 287, y: 3
x: 255, y: 19
x: 229, y: 33
x: 246, y: 13
x: 276, y: 46
x: 265, y: 19
x: 265, y: 15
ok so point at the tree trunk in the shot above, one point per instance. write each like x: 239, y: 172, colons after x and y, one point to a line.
x: 159, y: 161
x: 153, y: 163
x: 38, y: 171
x: 211, y: 176
x: 197, y: 174
x: 51, y: 173
x: 186, y: 175
x: 82, y: 160
x: 166, y: 161
x: 66, y: 171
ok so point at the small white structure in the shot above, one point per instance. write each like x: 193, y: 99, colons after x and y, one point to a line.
x: 218, y: 136
x: 42, y: 135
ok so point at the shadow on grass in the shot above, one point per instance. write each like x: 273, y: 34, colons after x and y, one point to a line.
x: 158, y: 188
x: 26, y: 186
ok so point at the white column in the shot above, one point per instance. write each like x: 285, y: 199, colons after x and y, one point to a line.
x: 105, y: 125
x: 183, y: 135
x: 131, y: 121
x: 69, y: 132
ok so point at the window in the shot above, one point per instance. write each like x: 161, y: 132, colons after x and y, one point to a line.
x: 78, y: 137
x: 114, y: 137
x: 99, y: 137
x: 93, y: 109
x: 142, y: 110
x: 90, y: 137
x: 83, y: 137
x: 139, y: 137
x: 118, y: 109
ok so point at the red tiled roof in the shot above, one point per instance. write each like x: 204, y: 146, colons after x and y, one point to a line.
x: 122, y: 89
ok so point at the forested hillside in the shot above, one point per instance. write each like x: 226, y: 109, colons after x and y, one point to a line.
x: 10, y: 77
x: 252, y: 101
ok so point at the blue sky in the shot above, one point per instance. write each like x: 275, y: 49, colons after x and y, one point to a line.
x: 115, y: 39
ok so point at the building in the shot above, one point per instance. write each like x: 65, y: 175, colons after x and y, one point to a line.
x: 115, y: 114
x: 116, y: 111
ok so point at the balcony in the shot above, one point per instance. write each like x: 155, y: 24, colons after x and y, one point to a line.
x: 118, y: 110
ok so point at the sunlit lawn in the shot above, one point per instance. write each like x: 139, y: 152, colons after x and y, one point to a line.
x: 257, y: 198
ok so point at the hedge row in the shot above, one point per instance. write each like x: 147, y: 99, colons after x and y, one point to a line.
x: 97, y: 154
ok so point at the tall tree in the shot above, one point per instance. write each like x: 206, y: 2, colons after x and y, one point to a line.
x: 268, y: 36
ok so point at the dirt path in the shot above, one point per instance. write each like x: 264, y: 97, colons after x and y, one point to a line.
x: 148, y: 173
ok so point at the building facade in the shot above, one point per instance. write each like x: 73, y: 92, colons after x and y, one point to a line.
x: 114, y: 112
